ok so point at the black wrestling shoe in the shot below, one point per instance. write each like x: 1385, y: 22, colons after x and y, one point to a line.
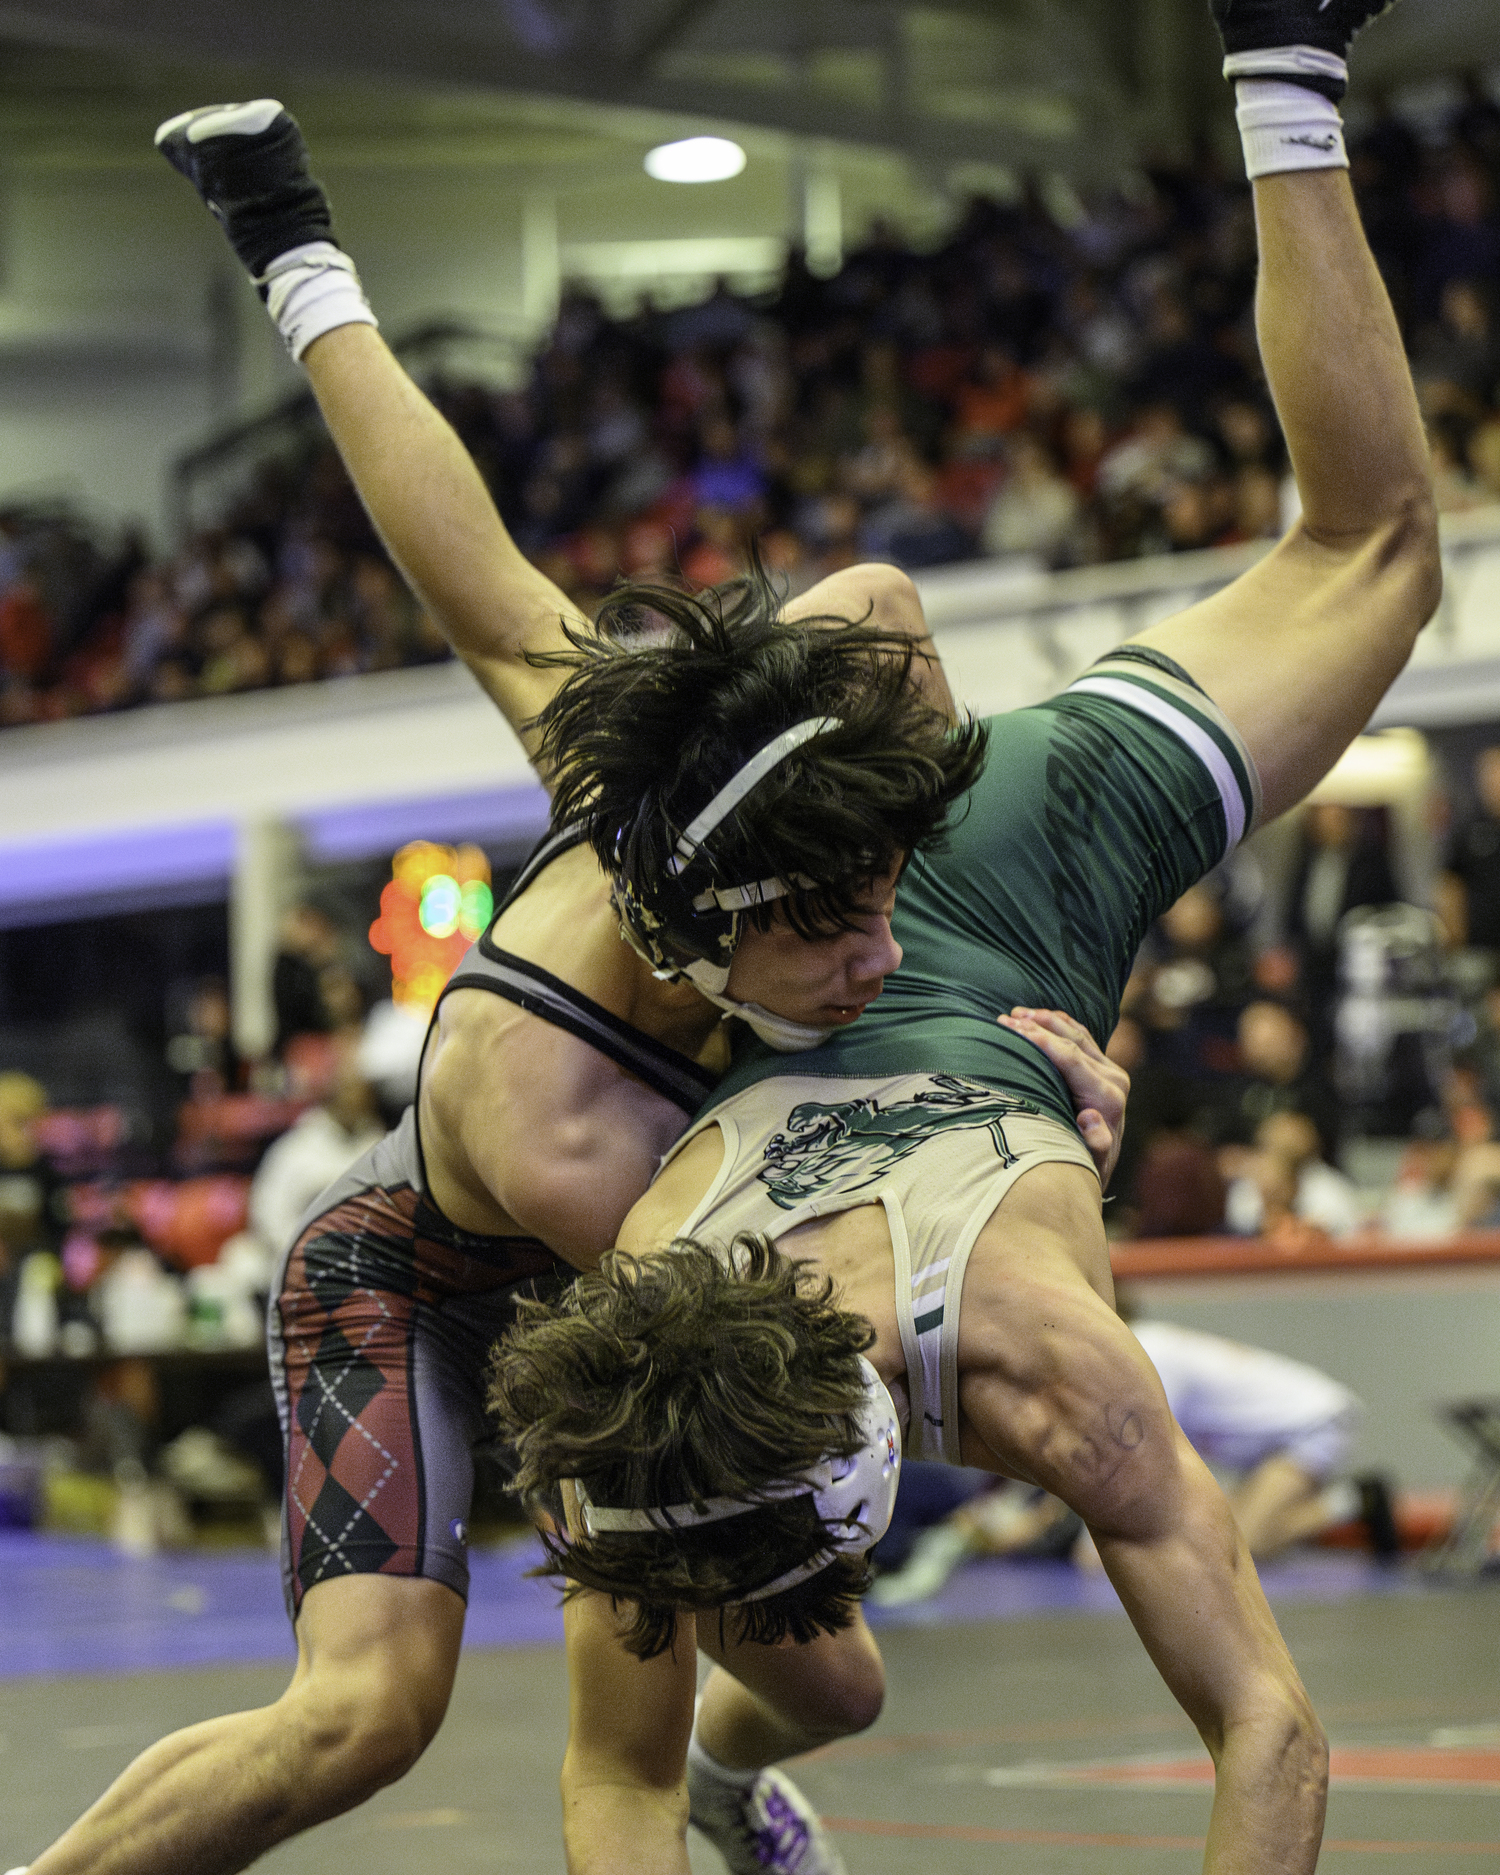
x: 250, y: 165
x: 1313, y: 39
x: 1378, y: 1515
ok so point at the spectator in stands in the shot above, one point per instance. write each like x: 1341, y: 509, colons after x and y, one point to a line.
x: 1037, y: 509
x: 1181, y: 366
x: 1195, y: 977
x: 1474, y: 858
x: 877, y: 406
x: 155, y: 625
x: 727, y: 476
x: 1277, y: 1075
x: 1484, y: 456
x: 1459, y: 237
x: 33, y: 1202
x: 25, y: 631
x: 1423, y: 1200
x: 1476, y: 126
x: 319, y: 1148
x: 33, y: 1199
x: 1257, y: 505
x: 1456, y: 362
x: 1341, y: 863
x: 1163, y: 1104
x: 991, y: 402
x: 1455, y: 487
x: 1179, y: 1189
x: 1286, y: 1177
x: 311, y: 984
x: 200, y: 1049
x: 913, y: 528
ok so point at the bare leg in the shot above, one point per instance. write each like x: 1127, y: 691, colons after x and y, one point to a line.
x: 1279, y: 1503
x: 1299, y: 651
x: 889, y: 599
x: 376, y: 1657
x: 767, y: 1703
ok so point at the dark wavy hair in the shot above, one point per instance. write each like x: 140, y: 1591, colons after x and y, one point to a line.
x: 676, y: 1377
x: 671, y: 692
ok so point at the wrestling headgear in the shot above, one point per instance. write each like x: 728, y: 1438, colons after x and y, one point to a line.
x: 853, y: 1496
x: 687, y: 924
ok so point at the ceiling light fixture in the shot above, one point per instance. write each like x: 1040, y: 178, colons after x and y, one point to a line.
x: 695, y: 159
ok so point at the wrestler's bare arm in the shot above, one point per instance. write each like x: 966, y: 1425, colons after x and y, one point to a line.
x: 624, y: 1794
x: 1058, y: 1391
x: 517, y: 1115
x: 1300, y: 650
x: 435, y: 515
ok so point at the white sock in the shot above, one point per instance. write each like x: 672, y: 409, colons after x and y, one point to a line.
x: 704, y: 1762
x: 1286, y: 127
x: 311, y: 290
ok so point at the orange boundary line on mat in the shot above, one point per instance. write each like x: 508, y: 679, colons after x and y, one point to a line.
x: 1079, y: 1839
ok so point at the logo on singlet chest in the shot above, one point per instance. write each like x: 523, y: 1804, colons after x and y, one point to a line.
x: 850, y: 1144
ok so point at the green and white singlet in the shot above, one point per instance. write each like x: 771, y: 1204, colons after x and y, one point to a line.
x: 1095, y: 812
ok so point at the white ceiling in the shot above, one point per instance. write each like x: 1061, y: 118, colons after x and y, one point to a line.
x: 567, y: 90
x: 1071, y: 85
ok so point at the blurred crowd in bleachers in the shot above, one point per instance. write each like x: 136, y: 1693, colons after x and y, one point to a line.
x: 1320, y: 1054
x: 135, y: 1236
x: 1076, y: 387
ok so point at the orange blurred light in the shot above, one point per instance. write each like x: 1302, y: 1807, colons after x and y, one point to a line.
x: 421, y: 963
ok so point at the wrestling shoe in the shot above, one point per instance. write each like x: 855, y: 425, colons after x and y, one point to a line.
x: 934, y: 1557
x: 1299, y: 41
x: 250, y: 165
x: 1378, y: 1514
x: 769, y: 1829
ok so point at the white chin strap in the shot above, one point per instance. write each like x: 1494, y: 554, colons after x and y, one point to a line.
x: 778, y: 1032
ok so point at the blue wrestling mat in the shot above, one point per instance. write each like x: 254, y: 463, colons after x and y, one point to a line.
x: 72, y: 1605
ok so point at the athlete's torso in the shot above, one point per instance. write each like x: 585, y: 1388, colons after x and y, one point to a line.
x: 1095, y: 811
x: 558, y: 1070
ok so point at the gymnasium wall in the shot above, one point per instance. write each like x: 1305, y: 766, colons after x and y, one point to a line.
x: 127, y: 334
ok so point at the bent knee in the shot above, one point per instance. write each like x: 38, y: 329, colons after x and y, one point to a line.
x: 894, y: 599
x: 849, y: 1698
x: 364, y: 1728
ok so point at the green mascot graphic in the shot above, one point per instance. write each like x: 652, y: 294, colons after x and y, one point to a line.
x: 856, y: 1142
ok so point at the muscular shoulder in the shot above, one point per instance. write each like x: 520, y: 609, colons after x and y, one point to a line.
x: 564, y: 922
